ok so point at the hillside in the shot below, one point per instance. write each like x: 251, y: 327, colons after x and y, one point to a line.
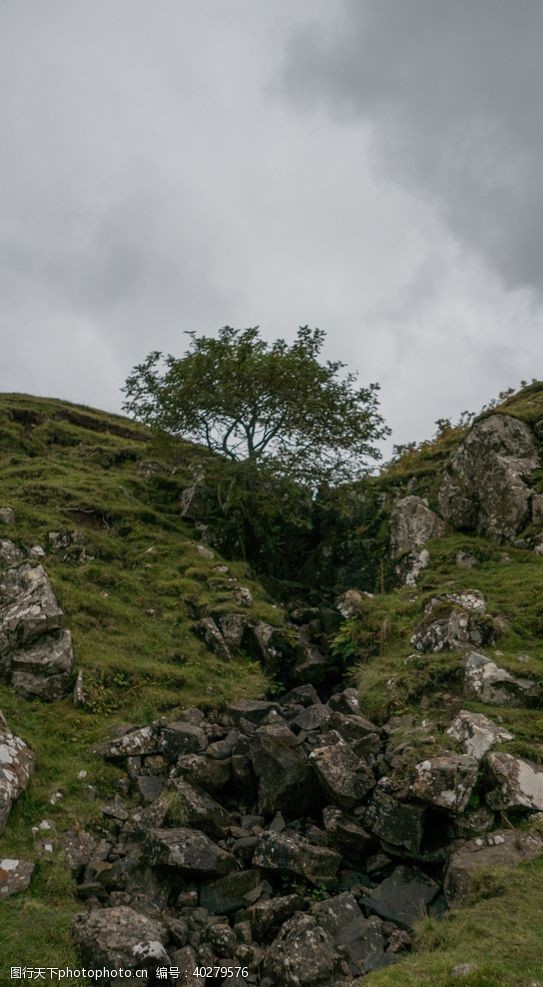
x: 437, y: 559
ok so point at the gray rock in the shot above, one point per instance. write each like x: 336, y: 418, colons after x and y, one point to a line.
x: 446, y: 781
x: 16, y: 767
x: 230, y: 893
x: 7, y: 515
x: 15, y: 876
x: 302, y: 955
x: 253, y: 710
x: 28, y: 607
x: 519, y: 783
x: 454, y: 621
x: 189, y: 851
x: 44, y: 669
x: 486, y: 485
x: 232, y: 627
x: 9, y: 553
x: 182, y: 738
x: 359, y: 939
x: 206, y: 771
x: 344, y: 778
x: 346, y: 836
x: 78, y: 847
x: 346, y: 702
x: 489, y: 683
x: 120, y: 939
x: 133, y: 743
x: 78, y: 695
x: 291, y: 854
x: 210, y: 633
x: 352, y: 602
x: 199, y: 809
x: 505, y: 848
x: 285, y: 779
x: 267, y: 917
x: 413, y: 524
x: 397, y: 823
x: 403, y: 897
x: 476, y: 733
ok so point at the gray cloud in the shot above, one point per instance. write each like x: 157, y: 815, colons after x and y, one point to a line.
x: 452, y: 93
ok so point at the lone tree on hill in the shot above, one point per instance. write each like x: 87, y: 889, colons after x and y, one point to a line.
x: 268, y: 404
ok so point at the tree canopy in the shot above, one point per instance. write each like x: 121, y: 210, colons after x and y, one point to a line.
x: 273, y: 404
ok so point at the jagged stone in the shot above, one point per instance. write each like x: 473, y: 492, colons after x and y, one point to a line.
x: 178, y: 739
x: 15, y: 876
x: 454, y: 621
x: 189, y: 851
x: 285, y: 779
x: 206, y: 771
x: 486, y: 485
x: 397, y: 823
x: 267, y: 917
x: 520, y: 783
x: 78, y: 695
x: 352, y: 602
x: 446, y: 781
x: 199, y: 809
x: 346, y: 836
x: 292, y: 855
x: 346, y: 702
x: 231, y: 893
x: 232, y: 627
x: 412, y: 525
x: 302, y: 955
x: 253, y: 710
x: 488, y: 682
x: 477, y: 733
x: 403, y: 897
x: 9, y: 553
x: 345, y: 778
x: 505, y: 848
x: 310, y: 718
x: 28, y: 607
x: 210, y: 633
x: 7, y: 515
x: 44, y: 669
x: 120, y: 939
x: 133, y: 743
x: 78, y: 847
x: 360, y: 940
x: 16, y: 767
x: 362, y: 735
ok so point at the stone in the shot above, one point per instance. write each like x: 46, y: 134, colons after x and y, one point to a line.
x: 78, y: 695
x: 267, y: 917
x: 403, y: 897
x: 519, y: 783
x: 9, y: 553
x: 344, y: 778
x: 253, y: 710
x: 43, y: 671
x: 301, y: 695
x: 210, y: 773
x: 310, y: 718
x: 7, y: 515
x: 359, y: 939
x: 78, y: 847
x: 486, y: 484
x: 346, y: 702
x: 16, y: 766
x: 476, y: 733
x: 199, y: 809
x: 291, y: 854
x: 351, y: 602
x: 463, y: 969
x: 28, y: 606
x: 454, y: 621
x: 489, y: 683
x: 346, y: 836
x: 181, y: 738
x: 211, y: 635
x: 232, y: 627
x: 150, y: 787
x: 397, y: 823
x: 310, y: 664
x: 302, y: 955
x: 412, y: 525
x: 120, y: 939
x: 285, y: 779
x: 15, y: 876
x: 362, y: 735
x: 505, y: 848
x: 133, y: 743
x: 446, y: 781
x: 230, y: 893
x: 189, y: 851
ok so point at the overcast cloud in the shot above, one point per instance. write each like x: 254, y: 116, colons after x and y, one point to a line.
x: 373, y: 168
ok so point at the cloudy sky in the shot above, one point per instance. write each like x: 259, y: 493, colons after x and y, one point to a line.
x: 372, y: 168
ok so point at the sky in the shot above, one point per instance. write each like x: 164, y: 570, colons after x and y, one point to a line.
x: 371, y: 168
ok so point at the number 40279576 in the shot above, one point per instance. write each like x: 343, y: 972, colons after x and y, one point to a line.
x: 220, y: 971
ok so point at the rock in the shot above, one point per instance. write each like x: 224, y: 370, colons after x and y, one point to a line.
x: 403, y: 897
x: 231, y: 893
x: 346, y: 702
x: 466, y: 560
x: 486, y: 485
x: 352, y: 602
x: 16, y: 767
x: 150, y: 787
x: 301, y: 695
x: 463, y: 970
x: 9, y: 553
x: 182, y: 738
x: 207, y: 772
x: 520, y: 783
x: 446, y: 781
x: 454, y: 621
x: 346, y: 836
x: 476, y: 733
x: 489, y: 683
x: 189, y: 851
x: 232, y: 627
x: 344, y: 778
x: 210, y: 633
x: 395, y: 822
x: 302, y: 955
x: 310, y: 664
x: 413, y: 524
x: 505, y: 848
x: 43, y: 671
x: 199, y: 809
x: 267, y: 917
x: 285, y: 779
x: 28, y: 607
x: 253, y: 710
x: 78, y: 696
x: 291, y: 854
x: 133, y: 743
x: 310, y: 718
x: 15, y: 876
x: 359, y: 939
x: 78, y: 847
x: 364, y: 737
x: 120, y: 939
x: 7, y: 515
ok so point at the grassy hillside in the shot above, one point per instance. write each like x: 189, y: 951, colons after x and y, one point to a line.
x: 130, y: 591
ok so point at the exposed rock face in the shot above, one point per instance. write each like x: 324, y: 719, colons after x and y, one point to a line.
x: 520, y: 783
x: 36, y: 654
x: 488, y: 682
x: 16, y: 767
x: 477, y: 733
x: 412, y: 525
x: 486, y: 485
x: 504, y: 848
x: 454, y: 621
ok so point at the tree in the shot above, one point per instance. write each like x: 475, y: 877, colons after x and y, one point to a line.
x: 266, y: 404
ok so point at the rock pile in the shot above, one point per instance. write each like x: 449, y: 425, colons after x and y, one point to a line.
x: 289, y: 843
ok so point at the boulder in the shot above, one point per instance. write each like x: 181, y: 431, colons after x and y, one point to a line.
x: 346, y: 701
x: 291, y: 854
x: 486, y: 486
x: 28, y: 606
x: 44, y: 670
x: 285, y: 779
x: 267, y: 917
x: 446, y: 781
x: 412, y: 525
x: 16, y: 767
x: 189, y: 851
x: 505, y: 848
x: 211, y: 635
x: 302, y: 955
x: 232, y: 627
x: 120, y: 939
x: 15, y: 876
x: 454, y: 621
x: 360, y: 940
x: 489, y: 683
x: 397, y: 823
x: 519, y: 783
x: 476, y: 733
x: 9, y: 553
x: 198, y: 809
x: 344, y: 778
x: 346, y: 836
x: 230, y: 893
x: 182, y: 738
x: 362, y: 735
x: 253, y: 710
x: 403, y: 897
x: 7, y: 515
x: 133, y: 743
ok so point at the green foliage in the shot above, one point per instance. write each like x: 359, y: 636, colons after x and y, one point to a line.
x: 273, y: 403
